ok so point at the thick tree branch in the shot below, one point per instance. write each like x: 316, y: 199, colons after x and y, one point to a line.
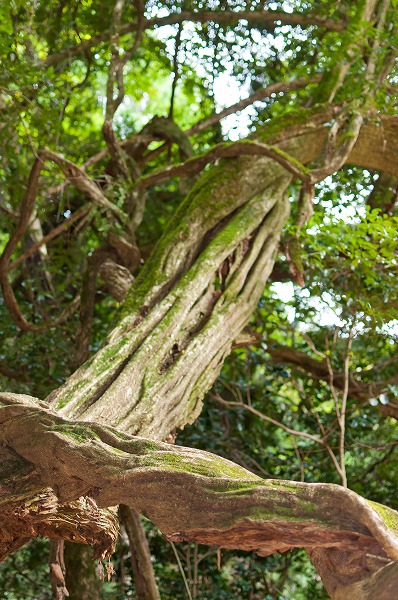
x: 218, y: 502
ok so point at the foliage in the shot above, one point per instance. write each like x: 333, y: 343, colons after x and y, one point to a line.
x: 348, y: 250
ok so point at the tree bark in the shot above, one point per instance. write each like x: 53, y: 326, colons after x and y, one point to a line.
x: 191, y: 495
x: 193, y: 297
x: 79, y: 559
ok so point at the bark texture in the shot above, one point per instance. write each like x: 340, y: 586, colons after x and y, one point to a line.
x: 213, y: 501
x: 79, y: 559
x: 179, y: 320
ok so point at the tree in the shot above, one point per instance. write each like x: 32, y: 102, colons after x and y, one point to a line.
x: 90, y: 177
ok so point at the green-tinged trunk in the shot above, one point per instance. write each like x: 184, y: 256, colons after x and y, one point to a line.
x: 82, y: 581
x: 201, y: 284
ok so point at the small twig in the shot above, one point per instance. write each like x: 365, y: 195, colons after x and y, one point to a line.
x: 342, y: 418
x: 175, y: 69
x: 181, y: 570
x: 81, y: 212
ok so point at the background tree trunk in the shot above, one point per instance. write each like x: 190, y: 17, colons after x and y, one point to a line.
x: 82, y: 581
x: 141, y: 562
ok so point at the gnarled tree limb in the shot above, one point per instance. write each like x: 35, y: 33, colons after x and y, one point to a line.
x: 190, y: 494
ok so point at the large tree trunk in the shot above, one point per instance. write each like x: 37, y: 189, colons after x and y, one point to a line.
x: 201, y: 284
x: 178, y: 323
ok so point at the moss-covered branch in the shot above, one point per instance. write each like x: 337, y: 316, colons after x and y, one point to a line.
x: 190, y: 494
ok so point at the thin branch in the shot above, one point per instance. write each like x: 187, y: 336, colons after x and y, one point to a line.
x: 115, y: 73
x: 181, y: 569
x: 81, y: 181
x: 84, y: 184
x: 258, y: 96
x: 6, y: 371
x: 9, y: 211
x: 144, y: 576
x: 358, y: 390
x: 57, y: 570
x: 342, y: 417
x: 8, y: 292
x: 264, y: 417
x: 371, y: 65
x: 341, y: 139
x: 175, y: 70
x: 81, y: 212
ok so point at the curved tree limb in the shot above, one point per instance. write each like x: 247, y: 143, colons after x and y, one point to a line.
x: 218, y: 502
x: 227, y: 150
